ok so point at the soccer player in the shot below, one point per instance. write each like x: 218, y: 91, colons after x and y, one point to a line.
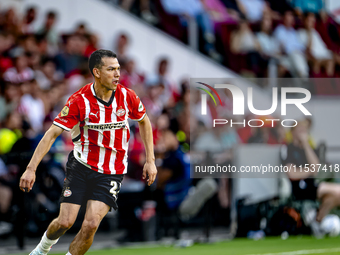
x: 97, y: 117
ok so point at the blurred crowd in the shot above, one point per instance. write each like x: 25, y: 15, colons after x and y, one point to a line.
x: 256, y: 38
x: 40, y: 69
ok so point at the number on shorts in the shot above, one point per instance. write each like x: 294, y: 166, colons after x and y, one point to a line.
x: 115, y: 188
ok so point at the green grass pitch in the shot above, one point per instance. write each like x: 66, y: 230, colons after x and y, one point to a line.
x: 269, y: 246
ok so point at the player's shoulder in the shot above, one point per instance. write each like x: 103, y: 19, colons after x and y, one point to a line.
x: 122, y: 87
x: 129, y: 92
x: 82, y: 91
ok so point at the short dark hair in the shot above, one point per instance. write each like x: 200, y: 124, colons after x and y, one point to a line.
x: 307, y: 14
x: 51, y: 15
x: 95, y: 60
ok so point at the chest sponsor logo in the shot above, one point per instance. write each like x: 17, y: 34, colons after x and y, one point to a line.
x: 107, y: 126
x: 120, y: 112
x: 64, y: 111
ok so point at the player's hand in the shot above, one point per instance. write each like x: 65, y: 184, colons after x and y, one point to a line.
x: 150, y: 170
x: 27, y: 180
x: 303, y: 137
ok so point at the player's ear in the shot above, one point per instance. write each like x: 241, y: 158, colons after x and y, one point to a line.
x: 96, y: 73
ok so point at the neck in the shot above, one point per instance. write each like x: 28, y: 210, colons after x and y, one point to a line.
x: 102, y: 92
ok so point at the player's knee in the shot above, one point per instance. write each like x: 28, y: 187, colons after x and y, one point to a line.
x: 337, y: 193
x: 90, y: 226
x: 65, y: 224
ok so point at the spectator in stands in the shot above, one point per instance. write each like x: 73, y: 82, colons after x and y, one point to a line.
x: 130, y: 78
x: 70, y: 60
x: 49, y: 32
x: 195, y: 110
x: 153, y: 101
x: 193, y: 9
x: 81, y: 29
x: 173, y: 181
x: 305, y: 6
x: 265, y: 134
x: 10, y: 22
x: 162, y: 78
x: 9, y: 100
x: 174, y: 170
x: 33, y: 60
x: 233, y: 7
x: 243, y: 41
x: 29, y: 44
x: 295, y: 60
x: 309, y: 125
x: 299, y: 152
x: 145, y: 10
x: 317, y: 51
x: 254, y: 10
x: 121, y: 48
x: 91, y: 39
x: 6, y: 43
x: 51, y: 97
x: 217, y: 145
x: 269, y: 46
x: 28, y: 23
x: 47, y: 74
x: 278, y: 8
x: 20, y: 72
x: 32, y: 106
x: 218, y: 13
x: 220, y: 141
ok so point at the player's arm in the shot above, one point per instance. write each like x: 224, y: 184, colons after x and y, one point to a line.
x: 145, y: 130
x: 28, y: 178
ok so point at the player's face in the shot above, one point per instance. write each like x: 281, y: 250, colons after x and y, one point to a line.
x: 110, y: 73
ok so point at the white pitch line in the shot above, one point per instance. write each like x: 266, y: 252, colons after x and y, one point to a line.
x: 320, y: 251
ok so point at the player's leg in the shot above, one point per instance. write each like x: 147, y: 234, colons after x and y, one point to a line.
x: 329, y: 194
x: 103, y: 191
x: 67, y: 216
x: 95, y: 212
x: 71, y: 198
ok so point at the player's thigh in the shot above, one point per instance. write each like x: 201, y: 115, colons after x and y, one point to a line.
x: 105, y: 188
x: 68, y: 213
x: 95, y: 212
x: 327, y: 188
x: 74, y: 189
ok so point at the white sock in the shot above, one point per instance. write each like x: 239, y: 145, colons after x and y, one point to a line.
x: 46, y: 244
x: 68, y: 253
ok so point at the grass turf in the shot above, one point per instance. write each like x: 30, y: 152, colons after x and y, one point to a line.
x: 293, y: 245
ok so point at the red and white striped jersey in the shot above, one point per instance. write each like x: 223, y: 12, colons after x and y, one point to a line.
x: 100, y: 130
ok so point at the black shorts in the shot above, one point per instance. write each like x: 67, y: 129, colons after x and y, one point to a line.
x: 305, y: 189
x: 82, y: 184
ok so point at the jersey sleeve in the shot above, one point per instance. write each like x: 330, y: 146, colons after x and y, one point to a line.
x: 69, y: 115
x: 137, y: 110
